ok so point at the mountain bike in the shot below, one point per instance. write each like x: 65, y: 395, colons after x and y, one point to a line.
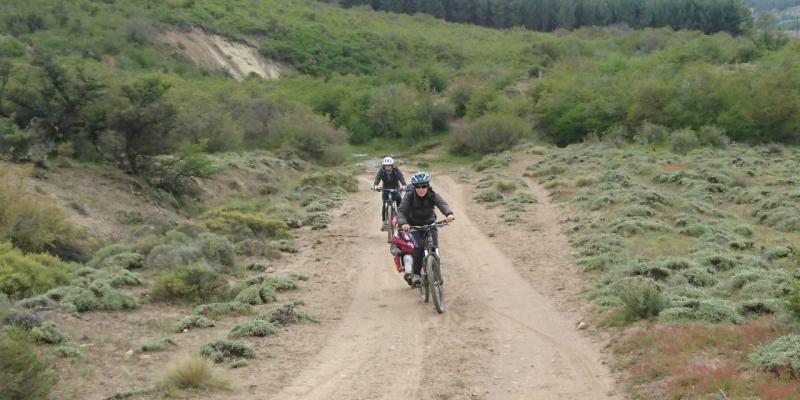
x: 390, y: 213
x: 431, y: 272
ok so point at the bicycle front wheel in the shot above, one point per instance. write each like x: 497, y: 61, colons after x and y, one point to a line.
x: 424, y: 288
x: 435, y: 280
x: 391, y: 225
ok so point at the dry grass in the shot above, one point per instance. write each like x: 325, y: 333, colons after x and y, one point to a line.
x: 193, y: 372
x: 699, y: 360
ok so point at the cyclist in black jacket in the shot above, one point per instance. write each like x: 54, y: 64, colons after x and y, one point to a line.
x: 392, y: 179
x: 417, y: 209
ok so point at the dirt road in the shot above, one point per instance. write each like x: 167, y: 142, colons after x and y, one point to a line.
x: 499, y: 339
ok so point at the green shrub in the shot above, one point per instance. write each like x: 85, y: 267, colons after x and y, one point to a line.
x: 116, y: 277
x: 159, y: 344
x: 330, y: 179
x: 743, y: 230
x: 490, y: 196
x: 69, y: 350
x: 112, y: 299
x: 49, y: 333
x: 397, y: 111
x: 317, y: 221
x: 699, y: 277
x: 489, y: 133
x: 106, y: 252
x: 257, y: 294
x: 505, y: 186
x: 312, y: 137
x: 220, y: 350
x: 641, y: 300
x: 255, y: 327
x: 630, y: 226
x: 757, y: 307
x: 172, y: 255
x: 28, y: 221
x: 284, y: 245
x: 196, y: 283
x: 244, y: 225
x: 23, y: 375
x: 217, y: 249
x: 287, y: 314
x: 215, y: 310
x: 637, y: 211
x: 192, y: 372
x: 681, y: 141
x: 783, y: 354
x: 713, y: 311
x: 23, y: 275
x: 192, y: 321
x: 127, y: 260
x: 711, y: 135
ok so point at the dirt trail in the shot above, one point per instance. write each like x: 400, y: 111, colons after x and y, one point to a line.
x: 499, y: 339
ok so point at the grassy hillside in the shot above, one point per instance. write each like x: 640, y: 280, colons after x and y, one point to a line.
x: 693, y: 254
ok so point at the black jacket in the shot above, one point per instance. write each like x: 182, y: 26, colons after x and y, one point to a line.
x: 391, y: 180
x: 415, y: 210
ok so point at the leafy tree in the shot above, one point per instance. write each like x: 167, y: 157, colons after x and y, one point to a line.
x: 144, y: 120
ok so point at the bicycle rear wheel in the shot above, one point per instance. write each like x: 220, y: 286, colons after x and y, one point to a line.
x: 435, y: 278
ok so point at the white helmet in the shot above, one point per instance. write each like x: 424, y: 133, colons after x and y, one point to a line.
x: 388, y: 161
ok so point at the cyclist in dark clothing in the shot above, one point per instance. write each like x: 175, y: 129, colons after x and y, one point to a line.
x: 392, y: 178
x: 417, y: 209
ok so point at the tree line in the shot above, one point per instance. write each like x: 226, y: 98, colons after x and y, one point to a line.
x: 709, y: 16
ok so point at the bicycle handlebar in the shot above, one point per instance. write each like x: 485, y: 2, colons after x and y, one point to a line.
x: 388, y: 190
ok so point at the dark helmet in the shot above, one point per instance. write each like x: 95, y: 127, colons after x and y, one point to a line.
x: 420, y: 178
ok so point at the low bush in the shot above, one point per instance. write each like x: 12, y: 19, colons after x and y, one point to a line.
x: 713, y: 311
x: 217, y: 250
x: 106, y: 252
x: 196, y: 283
x: 215, y: 310
x: 641, y: 300
x: 490, y: 196
x: 505, y: 186
x: 49, y: 333
x: 172, y: 255
x: 331, y: 179
x: 192, y: 321
x: 31, y: 223
x: 127, y: 260
x: 257, y: 294
x: 284, y: 245
x: 23, y: 374
x: 287, y: 314
x: 159, y: 344
x: 221, y: 350
x: 192, y: 372
x: 244, y: 225
x: 783, y: 354
x: 256, y: 327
